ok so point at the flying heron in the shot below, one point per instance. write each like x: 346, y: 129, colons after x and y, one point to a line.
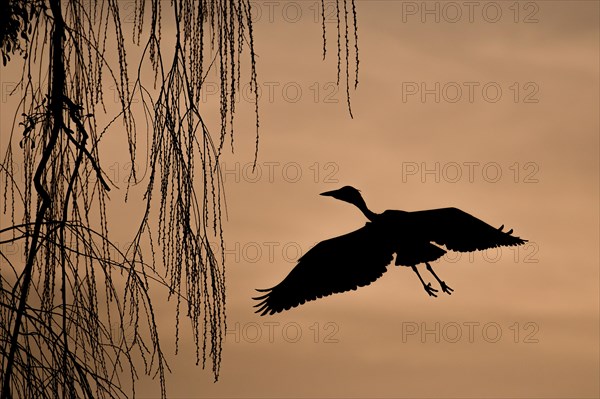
x: 359, y: 258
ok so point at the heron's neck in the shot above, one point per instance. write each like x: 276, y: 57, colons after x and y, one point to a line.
x: 360, y: 204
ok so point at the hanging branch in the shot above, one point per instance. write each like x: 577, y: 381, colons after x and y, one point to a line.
x: 56, y: 108
x: 188, y: 218
x: 64, y: 310
x: 347, y: 24
x: 57, y: 337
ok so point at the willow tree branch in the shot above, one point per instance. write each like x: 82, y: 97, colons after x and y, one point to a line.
x: 56, y: 109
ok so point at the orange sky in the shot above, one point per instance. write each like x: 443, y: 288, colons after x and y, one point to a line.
x: 528, y: 159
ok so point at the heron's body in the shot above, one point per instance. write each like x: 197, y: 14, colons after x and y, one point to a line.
x: 358, y: 258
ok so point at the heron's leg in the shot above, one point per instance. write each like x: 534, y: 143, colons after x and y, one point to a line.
x: 445, y: 288
x: 428, y: 288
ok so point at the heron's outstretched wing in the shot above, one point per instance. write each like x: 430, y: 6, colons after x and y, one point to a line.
x: 332, y: 266
x: 459, y: 231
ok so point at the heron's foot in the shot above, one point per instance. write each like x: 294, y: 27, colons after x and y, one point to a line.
x: 445, y: 288
x: 430, y: 290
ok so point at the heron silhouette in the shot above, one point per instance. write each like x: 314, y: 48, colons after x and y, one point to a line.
x: 359, y: 258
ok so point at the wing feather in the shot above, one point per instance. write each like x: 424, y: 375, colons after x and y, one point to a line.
x: 332, y: 266
x: 460, y: 231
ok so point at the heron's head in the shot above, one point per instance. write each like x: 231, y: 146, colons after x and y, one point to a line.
x: 346, y: 193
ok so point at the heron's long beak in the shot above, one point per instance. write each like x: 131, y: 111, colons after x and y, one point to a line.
x: 328, y: 193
